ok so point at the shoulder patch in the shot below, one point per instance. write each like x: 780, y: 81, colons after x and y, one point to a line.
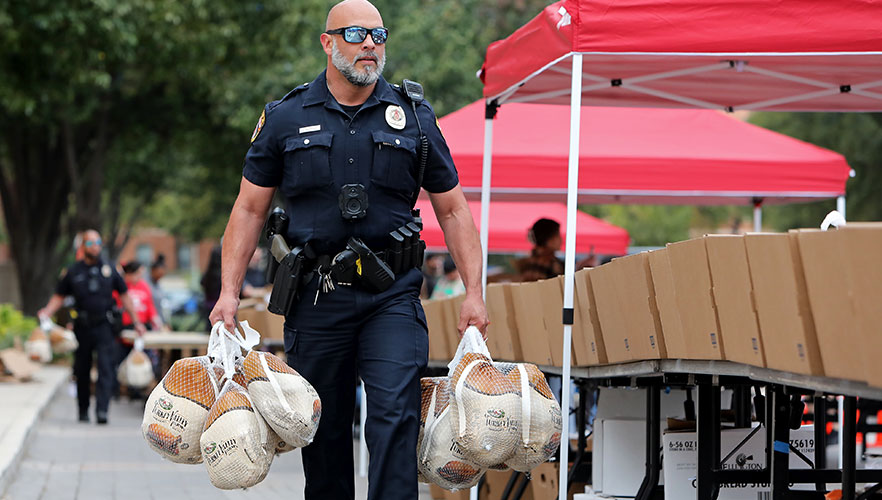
x: 438, y: 124
x: 259, y: 126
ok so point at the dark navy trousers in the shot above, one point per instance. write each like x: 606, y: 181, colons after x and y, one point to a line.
x: 383, y: 339
x: 98, y: 338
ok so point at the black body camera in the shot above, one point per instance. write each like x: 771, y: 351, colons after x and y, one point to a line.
x: 353, y: 201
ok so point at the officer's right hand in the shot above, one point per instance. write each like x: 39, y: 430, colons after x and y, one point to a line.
x: 225, y: 310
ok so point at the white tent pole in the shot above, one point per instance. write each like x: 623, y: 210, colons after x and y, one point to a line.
x: 757, y: 217
x: 569, y: 268
x: 489, y: 114
x: 840, y: 205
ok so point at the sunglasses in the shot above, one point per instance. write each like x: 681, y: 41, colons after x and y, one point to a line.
x: 92, y: 243
x: 357, y: 34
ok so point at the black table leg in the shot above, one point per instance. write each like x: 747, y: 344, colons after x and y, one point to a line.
x: 653, y: 443
x: 820, y: 438
x: 848, y: 437
x: 780, y: 430
x: 708, y: 441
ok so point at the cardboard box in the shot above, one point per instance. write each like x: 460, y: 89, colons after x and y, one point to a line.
x: 533, y: 337
x: 733, y: 298
x: 270, y: 326
x: 692, y: 286
x: 828, y: 286
x: 496, y: 481
x: 451, y: 320
x: 436, y: 320
x: 863, y: 243
x: 551, y: 295
x: 605, y: 281
x: 436, y: 492
x: 457, y: 495
x: 587, y: 338
x: 666, y: 301
x: 781, y: 303
x: 545, y: 480
x: 681, y: 457
x: 502, y: 334
x: 637, y: 296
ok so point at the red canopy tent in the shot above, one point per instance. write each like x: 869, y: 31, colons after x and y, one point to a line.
x: 641, y: 155
x: 797, y: 55
x: 750, y: 54
x: 511, y: 220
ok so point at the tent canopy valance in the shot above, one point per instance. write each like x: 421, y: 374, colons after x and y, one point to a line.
x: 762, y: 55
x: 640, y: 155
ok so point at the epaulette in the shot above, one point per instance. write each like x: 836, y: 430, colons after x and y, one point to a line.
x: 293, y: 92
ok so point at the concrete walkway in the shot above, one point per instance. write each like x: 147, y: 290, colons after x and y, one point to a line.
x: 67, y: 460
x: 21, y: 404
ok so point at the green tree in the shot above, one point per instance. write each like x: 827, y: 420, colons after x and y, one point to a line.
x: 112, y: 110
x: 857, y: 136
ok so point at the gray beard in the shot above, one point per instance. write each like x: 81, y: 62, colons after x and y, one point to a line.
x: 353, y: 74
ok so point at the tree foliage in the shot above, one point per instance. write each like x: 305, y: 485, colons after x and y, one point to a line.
x: 116, y: 110
x: 857, y: 136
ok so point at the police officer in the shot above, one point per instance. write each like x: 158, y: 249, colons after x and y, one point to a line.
x: 349, y: 127
x: 91, y: 282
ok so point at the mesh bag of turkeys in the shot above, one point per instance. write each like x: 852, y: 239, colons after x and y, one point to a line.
x: 38, y: 347
x: 236, y: 445
x: 540, y: 428
x: 485, y: 406
x: 289, y: 403
x: 136, y: 370
x: 175, y: 413
x: 440, y: 460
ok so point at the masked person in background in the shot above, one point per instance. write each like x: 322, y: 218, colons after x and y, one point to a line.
x: 146, y: 313
x: 92, y: 281
x: 542, y: 262
x: 346, y: 151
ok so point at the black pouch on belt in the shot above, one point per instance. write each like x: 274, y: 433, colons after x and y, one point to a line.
x: 394, y: 254
x: 417, y: 246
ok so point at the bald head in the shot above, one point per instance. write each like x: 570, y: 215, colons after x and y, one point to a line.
x: 353, y: 13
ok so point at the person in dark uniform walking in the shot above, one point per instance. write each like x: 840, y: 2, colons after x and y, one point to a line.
x: 91, y: 282
x: 349, y: 152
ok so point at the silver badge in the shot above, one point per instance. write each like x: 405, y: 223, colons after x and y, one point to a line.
x: 105, y: 270
x: 395, y: 117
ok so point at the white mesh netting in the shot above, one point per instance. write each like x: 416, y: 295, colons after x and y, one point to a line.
x: 485, y: 411
x: 235, y: 431
x: 541, y: 422
x: 136, y: 370
x: 176, y: 410
x: 440, y: 459
x: 289, y: 403
x: 235, y: 442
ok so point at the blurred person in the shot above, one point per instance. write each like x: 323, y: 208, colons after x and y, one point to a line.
x: 211, y: 282
x: 449, y: 284
x: 145, y: 312
x: 542, y: 262
x: 344, y: 151
x: 158, y: 270
x: 91, y: 282
x: 255, y: 275
x: 433, y: 269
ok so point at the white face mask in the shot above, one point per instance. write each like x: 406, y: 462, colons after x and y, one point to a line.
x: 347, y: 68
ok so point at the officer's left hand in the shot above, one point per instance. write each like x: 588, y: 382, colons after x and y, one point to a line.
x: 473, y: 313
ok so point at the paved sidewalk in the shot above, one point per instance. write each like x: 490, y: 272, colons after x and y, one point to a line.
x: 21, y: 404
x: 67, y: 460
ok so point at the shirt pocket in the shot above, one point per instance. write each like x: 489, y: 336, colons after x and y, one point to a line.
x: 393, y: 162
x: 307, y: 163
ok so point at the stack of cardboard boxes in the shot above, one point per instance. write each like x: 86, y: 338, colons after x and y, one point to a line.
x: 804, y: 302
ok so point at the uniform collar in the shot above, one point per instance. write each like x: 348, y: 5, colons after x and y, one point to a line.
x: 318, y: 93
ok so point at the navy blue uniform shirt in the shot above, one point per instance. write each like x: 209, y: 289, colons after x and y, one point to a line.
x: 91, y: 286
x: 309, y: 147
